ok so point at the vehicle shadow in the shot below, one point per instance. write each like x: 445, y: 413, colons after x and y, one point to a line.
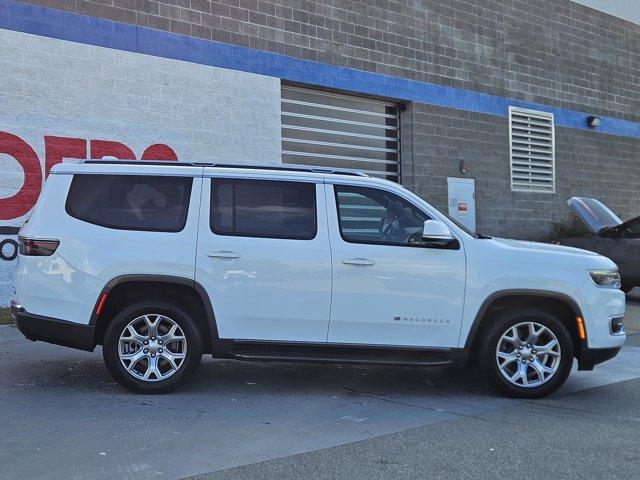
x: 86, y: 372
x: 67, y: 371
x: 230, y: 376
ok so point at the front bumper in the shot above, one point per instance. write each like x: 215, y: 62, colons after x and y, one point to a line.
x: 590, y: 357
x: 598, y: 307
x: 53, y: 330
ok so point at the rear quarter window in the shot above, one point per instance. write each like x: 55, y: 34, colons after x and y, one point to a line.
x: 131, y: 202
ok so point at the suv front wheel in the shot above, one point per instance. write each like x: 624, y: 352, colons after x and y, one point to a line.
x: 526, y: 353
x: 152, y: 346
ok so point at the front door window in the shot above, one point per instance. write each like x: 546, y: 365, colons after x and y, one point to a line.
x: 369, y: 215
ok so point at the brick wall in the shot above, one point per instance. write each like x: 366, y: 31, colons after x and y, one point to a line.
x: 53, y: 88
x: 546, y: 51
x: 587, y: 164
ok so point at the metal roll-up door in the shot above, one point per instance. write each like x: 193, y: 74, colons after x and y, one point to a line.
x: 341, y: 131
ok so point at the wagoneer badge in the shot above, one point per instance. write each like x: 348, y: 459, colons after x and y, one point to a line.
x: 433, y: 321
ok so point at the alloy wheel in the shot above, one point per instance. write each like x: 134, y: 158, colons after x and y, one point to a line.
x: 152, y: 347
x: 528, y: 354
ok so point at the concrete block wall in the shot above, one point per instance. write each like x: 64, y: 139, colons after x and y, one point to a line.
x: 55, y: 87
x: 587, y: 164
x: 555, y: 53
x: 62, y: 98
x: 533, y: 50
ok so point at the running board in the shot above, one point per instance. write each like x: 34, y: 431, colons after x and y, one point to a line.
x: 337, y: 353
x: 352, y: 359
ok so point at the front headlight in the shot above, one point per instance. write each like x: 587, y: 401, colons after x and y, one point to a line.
x: 606, y: 278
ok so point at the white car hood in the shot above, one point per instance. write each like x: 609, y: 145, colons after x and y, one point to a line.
x: 543, y: 247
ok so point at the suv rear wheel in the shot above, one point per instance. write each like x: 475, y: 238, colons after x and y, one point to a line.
x: 526, y: 353
x: 152, y: 346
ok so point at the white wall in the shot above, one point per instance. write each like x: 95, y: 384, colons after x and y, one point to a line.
x: 53, y: 87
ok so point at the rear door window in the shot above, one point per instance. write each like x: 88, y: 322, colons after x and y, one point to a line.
x: 263, y: 208
x: 131, y: 202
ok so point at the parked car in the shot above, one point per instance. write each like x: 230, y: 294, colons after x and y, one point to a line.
x: 160, y: 263
x: 609, y: 236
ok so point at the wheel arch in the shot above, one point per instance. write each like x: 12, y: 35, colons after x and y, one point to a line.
x: 562, y: 305
x: 184, y: 291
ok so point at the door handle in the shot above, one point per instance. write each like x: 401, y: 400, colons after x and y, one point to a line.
x: 358, y: 261
x: 223, y: 254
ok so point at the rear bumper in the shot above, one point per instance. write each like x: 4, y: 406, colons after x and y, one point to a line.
x: 589, y: 357
x: 53, y: 330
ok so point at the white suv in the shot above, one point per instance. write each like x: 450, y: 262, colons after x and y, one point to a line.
x: 162, y: 262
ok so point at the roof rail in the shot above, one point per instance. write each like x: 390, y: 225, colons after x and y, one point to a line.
x: 281, y: 168
x: 294, y: 168
x: 163, y: 163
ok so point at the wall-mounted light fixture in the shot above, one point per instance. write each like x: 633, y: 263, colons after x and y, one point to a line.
x: 593, y: 121
x: 463, y: 167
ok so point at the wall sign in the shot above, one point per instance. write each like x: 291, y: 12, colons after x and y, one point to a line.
x: 56, y: 149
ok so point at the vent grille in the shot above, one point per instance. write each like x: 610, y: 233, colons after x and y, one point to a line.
x: 340, y: 131
x: 532, y: 143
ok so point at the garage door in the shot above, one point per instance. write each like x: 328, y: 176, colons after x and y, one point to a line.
x: 343, y: 131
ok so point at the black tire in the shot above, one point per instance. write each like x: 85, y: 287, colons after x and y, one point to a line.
x: 627, y: 288
x: 500, y: 325
x: 187, y: 367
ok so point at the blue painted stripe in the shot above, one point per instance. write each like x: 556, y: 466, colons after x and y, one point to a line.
x: 53, y: 23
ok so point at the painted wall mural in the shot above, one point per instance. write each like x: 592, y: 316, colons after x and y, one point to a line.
x: 57, y: 149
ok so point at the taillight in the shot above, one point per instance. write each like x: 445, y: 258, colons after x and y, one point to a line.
x: 37, y: 248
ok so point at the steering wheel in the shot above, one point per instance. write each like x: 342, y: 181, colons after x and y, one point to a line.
x: 415, y: 238
x: 388, y: 230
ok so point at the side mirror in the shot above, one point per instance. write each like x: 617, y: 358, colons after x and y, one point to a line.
x: 436, y: 233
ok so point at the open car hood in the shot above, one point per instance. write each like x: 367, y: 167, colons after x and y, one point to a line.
x: 624, y: 225
x: 595, y: 214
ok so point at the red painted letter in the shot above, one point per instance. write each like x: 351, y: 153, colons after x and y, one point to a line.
x: 57, y: 148
x: 25, y: 199
x: 160, y: 151
x: 107, y: 148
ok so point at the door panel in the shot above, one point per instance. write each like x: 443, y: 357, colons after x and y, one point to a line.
x: 265, y: 288
x: 389, y: 292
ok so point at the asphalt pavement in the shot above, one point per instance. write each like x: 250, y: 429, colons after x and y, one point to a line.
x: 63, y: 417
x: 592, y: 434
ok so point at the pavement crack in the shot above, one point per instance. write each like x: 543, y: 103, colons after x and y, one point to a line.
x: 406, y: 404
x: 580, y: 411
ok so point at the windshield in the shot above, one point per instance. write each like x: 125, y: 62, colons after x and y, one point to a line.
x: 632, y: 229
